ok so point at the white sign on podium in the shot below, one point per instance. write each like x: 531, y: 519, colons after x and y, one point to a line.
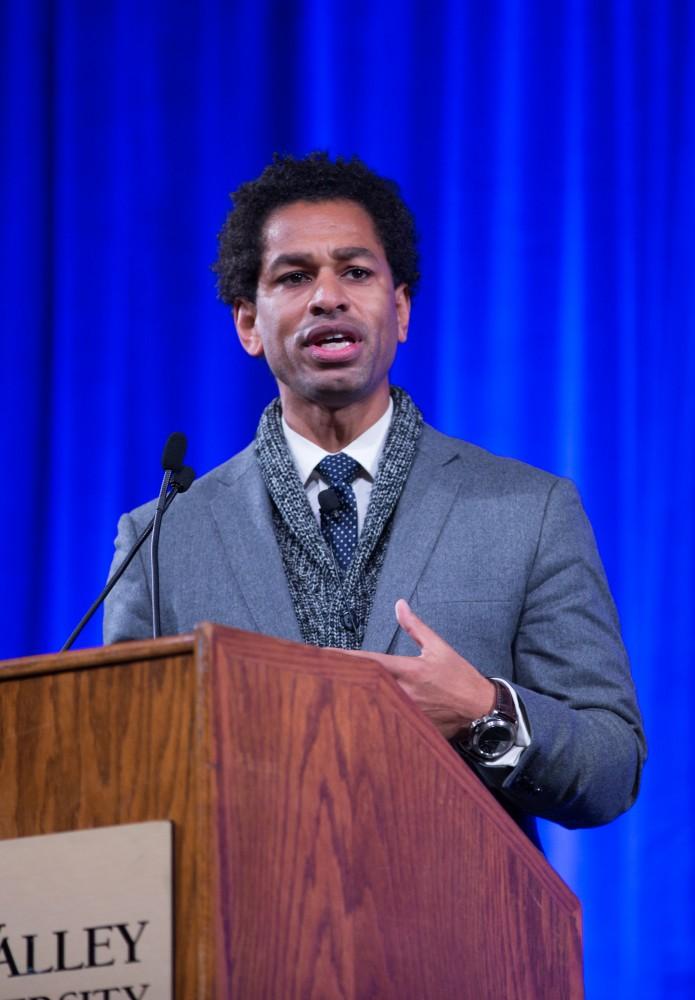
x: 87, y: 915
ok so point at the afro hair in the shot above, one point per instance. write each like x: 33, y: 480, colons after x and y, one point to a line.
x: 315, y: 177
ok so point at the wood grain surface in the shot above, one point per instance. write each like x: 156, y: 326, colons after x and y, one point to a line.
x: 396, y: 874
x: 102, y: 737
x: 328, y: 842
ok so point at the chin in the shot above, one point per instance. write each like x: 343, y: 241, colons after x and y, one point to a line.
x: 339, y: 393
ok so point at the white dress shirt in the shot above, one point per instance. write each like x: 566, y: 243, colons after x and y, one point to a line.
x: 367, y: 450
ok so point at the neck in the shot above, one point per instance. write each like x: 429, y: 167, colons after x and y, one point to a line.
x: 330, y: 428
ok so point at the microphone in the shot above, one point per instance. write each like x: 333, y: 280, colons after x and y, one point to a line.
x: 180, y: 482
x: 172, y: 462
x: 329, y: 502
x: 174, y: 452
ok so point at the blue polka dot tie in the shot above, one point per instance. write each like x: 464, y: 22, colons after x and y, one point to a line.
x: 339, y: 526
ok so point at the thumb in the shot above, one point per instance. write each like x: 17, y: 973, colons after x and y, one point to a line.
x: 417, y: 630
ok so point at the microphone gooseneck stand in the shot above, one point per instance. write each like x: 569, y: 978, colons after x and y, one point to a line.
x: 178, y: 482
x: 172, y: 461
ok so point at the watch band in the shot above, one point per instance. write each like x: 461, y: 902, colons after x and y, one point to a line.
x: 504, y: 702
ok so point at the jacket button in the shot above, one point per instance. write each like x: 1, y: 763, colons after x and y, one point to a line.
x: 347, y: 621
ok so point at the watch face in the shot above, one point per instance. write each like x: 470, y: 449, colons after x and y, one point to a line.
x: 495, y: 739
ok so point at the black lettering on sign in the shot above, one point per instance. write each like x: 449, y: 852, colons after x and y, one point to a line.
x: 30, y: 966
x: 131, y: 942
x: 109, y: 993
x: 93, y: 943
x: 61, y: 960
x: 6, y: 956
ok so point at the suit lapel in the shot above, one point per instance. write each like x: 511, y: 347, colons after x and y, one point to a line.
x: 423, y: 507
x: 242, y: 512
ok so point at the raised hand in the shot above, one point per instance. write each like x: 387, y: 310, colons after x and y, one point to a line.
x: 441, y: 682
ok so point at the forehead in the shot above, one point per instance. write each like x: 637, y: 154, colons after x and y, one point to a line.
x: 314, y: 227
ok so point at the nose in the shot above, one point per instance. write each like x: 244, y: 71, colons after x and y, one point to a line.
x: 328, y: 296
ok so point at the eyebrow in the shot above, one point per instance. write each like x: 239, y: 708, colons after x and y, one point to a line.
x: 307, y: 260
x: 348, y: 253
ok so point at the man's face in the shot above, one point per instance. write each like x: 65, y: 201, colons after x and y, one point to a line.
x: 327, y: 317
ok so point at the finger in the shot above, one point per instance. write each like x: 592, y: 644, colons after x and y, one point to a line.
x: 420, y: 633
x: 383, y: 658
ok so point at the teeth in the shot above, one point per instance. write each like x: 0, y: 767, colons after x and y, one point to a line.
x: 337, y: 339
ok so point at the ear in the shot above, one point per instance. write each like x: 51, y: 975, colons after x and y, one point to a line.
x: 403, y: 312
x: 245, y: 322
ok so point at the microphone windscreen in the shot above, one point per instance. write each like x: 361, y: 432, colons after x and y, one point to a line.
x: 174, y: 452
x: 183, y: 478
x: 329, y: 501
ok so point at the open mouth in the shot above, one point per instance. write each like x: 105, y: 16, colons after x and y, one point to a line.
x: 328, y: 334
x: 332, y: 343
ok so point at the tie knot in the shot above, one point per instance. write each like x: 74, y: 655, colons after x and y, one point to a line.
x: 338, y: 470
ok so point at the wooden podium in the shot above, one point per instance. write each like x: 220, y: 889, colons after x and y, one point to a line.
x: 328, y: 842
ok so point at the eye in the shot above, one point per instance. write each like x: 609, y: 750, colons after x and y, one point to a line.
x: 293, y: 278
x: 358, y: 273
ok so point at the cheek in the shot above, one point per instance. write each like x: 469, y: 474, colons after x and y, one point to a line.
x: 276, y: 338
x: 390, y: 326
x: 274, y: 324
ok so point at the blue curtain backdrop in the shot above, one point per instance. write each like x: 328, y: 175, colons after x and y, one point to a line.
x: 548, y: 150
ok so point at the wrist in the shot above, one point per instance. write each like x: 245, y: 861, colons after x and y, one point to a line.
x: 479, y: 702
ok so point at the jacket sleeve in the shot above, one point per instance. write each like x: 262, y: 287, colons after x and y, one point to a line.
x: 127, y: 610
x: 573, y: 677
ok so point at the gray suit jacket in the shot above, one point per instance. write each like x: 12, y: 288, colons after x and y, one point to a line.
x: 494, y: 555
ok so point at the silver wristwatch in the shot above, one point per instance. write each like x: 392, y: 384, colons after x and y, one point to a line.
x: 493, y: 735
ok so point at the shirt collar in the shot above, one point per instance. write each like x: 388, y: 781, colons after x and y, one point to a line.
x: 365, y: 449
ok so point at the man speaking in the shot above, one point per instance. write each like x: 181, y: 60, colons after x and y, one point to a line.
x: 348, y: 522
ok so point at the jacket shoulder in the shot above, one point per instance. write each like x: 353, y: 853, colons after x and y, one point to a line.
x: 482, y: 468
x: 204, y: 489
